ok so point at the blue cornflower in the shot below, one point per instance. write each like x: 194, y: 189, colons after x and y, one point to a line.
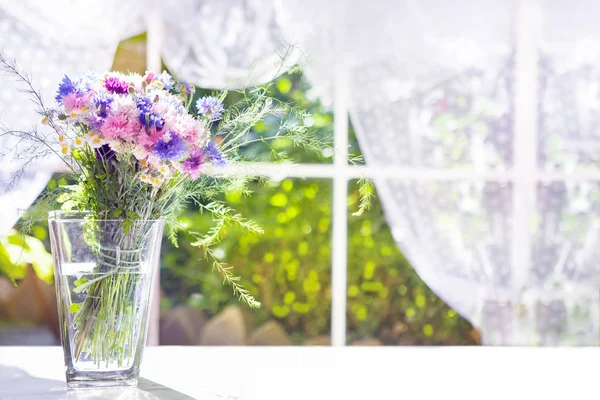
x: 170, y: 147
x: 210, y: 107
x: 144, y: 104
x: 84, y: 84
x: 214, y: 155
x: 166, y: 79
x: 180, y: 109
x: 149, y: 120
x: 102, y: 100
x: 64, y: 88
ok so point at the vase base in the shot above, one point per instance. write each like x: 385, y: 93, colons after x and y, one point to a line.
x: 101, y: 384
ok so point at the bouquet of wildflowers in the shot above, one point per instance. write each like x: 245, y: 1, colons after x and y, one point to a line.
x: 141, y: 148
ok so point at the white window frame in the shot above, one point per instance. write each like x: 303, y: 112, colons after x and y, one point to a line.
x: 524, y: 174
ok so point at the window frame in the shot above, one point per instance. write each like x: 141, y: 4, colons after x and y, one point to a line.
x: 524, y: 175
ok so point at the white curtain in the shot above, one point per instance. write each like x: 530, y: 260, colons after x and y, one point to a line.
x: 49, y: 39
x: 224, y: 43
x: 486, y: 103
x: 489, y: 104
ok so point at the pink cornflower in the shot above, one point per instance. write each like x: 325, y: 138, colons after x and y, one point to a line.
x: 75, y: 101
x: 121, y: 126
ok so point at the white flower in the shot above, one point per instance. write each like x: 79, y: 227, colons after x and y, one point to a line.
x: 96, y: 141
x: 140, y: 153
x: 65, y: 150
x: 125, y: 105
x: 78, y: 142
x: 137, y: 80
x: 164, y: 170
x: 155, y: 180
x: 144, y: 177
x: 122, y: 147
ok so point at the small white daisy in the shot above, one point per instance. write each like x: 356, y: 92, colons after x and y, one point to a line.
x: 78, y: 142
x: 65, y: 150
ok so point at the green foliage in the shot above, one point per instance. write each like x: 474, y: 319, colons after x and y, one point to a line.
x: 288, y: 268
x: 17, y: 251
x: 366, y: 191
x: 386, y: 297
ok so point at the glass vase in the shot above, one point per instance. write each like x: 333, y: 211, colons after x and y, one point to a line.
x: 104, y: 272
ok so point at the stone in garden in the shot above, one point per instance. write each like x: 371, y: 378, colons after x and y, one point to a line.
x: 181, y: 326
x: 225, y: 329
x: 367, y: 342
x: 7, y: 290
x: 21, y: 305
x: 322, y: 340
x: 32, y: 301
x: 475, y: 335
x: 270, y: 334
x: 249, y: 319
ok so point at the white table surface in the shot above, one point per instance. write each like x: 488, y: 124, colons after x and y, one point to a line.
x: 307, y: 373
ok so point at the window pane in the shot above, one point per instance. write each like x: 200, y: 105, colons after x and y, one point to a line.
x: 388, y: 303
x: 287, y: 269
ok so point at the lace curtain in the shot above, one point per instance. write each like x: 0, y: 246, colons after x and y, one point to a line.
x: 48, y: 40
x: 486, y: 104
x: 490, y: 107
x: 224, y: 44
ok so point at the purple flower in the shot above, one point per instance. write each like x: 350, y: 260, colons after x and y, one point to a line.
x: 115, y: 85
x: 210, y: 107
x: 64, y: 88
x: 214, y: 155
x: 193, y: 165
x: 170, y: 147
x: 96, y: 121
x: 105, y: 152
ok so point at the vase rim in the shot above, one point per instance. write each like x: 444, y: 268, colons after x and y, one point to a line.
x: 77, y: 216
